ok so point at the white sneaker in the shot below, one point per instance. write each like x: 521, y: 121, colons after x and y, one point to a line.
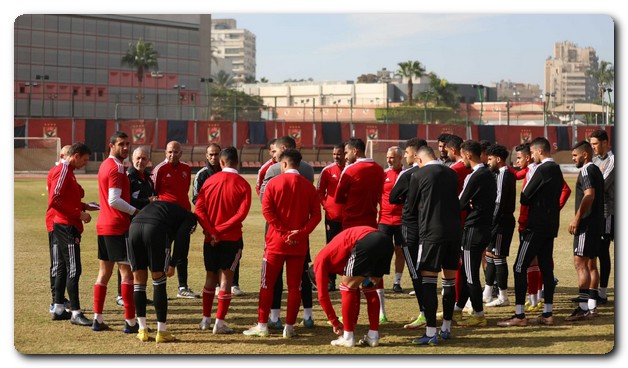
x: 235, y: 290
x: 341, y: 341
x: 289, y: 332
x: 367, y: 341
x: 487, y: 298
x: 222, y: 330
x: 256, y: 331
x: 412, y: 293
x: 498, y: 303
x: 204, y: 325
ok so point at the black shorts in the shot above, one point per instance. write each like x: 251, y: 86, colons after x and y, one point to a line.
x: 394, y: 232
x: 225, y: 255
x: 475, y: 238
x: 586, y: 243
x: 370, y: 256
x: 149, y: 247
x: 113, y: 248
x: 436, y: 256
x: 500, y: 242
x: 410, y: 234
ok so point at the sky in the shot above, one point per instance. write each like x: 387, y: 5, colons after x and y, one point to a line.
x: 483, y: 41
x: 462, y: 48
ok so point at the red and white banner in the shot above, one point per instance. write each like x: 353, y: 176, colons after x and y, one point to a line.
x: 139, y: 133
x: 50, y: 130
x: 213, y: 133
x: 294, y: 131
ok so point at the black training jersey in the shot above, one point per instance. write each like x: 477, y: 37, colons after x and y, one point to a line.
x: 590, y: 177
x: 478, y: 197
x: 399, y: 193
x: 433, y: 194
x: 542, y: 196
x: 505, y: 199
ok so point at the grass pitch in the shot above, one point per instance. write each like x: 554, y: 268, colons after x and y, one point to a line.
x: 32, y: 298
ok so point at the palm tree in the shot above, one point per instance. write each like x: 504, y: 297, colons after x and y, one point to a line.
x: 223, y: 79
x: 604, y: 76
x: 140, y: 56
x: 446, y: 93
x: 410, y: 69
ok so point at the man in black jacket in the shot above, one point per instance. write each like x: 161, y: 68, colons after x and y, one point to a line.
x: 150, y: 236
x: 542, y: 196
x: 478, y: 200
x: 433, y: 191
x: 142, y: 192
x: 409, y: 227
x: 502, y: 228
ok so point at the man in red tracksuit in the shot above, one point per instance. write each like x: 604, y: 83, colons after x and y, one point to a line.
x: 359, y: 190
x: 221, y: 207
x: 64, y: 201
x: 291, y: 207
x: 362, y: 255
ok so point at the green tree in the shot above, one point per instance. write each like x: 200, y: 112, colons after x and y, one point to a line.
x: 223, y: 79
x: 603, y: 75
x: 142, y: 57
x: 446, y: 94
x: 368, y: 78
x: 410, y: 69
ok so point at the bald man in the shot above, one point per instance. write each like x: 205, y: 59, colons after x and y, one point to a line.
x: 172, y: 179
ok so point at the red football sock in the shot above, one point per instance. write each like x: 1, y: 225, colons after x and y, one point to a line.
x: 224, y: 300
x: 100, y: 292
x: 208, y: 301
x: 126, y: 289
x: 350, y: 297
x: 372, y: 307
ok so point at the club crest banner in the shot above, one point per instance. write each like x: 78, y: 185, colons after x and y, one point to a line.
x: 213, y: 134
x: 50, y: 130
x: 295, y: 132
x: 525, y: 135
x: 139, y: 133
x: 372, y: 132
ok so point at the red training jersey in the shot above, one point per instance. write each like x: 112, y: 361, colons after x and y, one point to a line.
x: 462, y: 172
x: 111, y: 221
x: 172, y: 183
x: 261, y: 173
x: 359, y: 192
x: 389, y: 214
x: 50, y: 212
x: 327, y: 183
x: 222, y: 205
x: 290, y: 202
x: 64, y: 196
x: 333, y: 258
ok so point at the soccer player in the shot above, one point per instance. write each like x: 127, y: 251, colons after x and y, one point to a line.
x: 478, y: 200
x: 442, y: 148
x: 360, y: 188
x: 281, y: 145
x: 409, y: 224
x: 112, y: 226
x: 535, y: 280
x: 151, y: 234
x: 52, y: 247
x: 172, y: 181
x: 362, y: 255
x: 433, y: 190
x: 142, y: 192
x: 64, y: 201
x: 502, y: 228
x: 452, y: 146
x: 605, y: 160
x: 261, y: 173
x: 587, y: 228
x: 291, y: 207
x: 542, y: 196
x: 221, y: 207
x: 327, y: 183
x: 390, y: 214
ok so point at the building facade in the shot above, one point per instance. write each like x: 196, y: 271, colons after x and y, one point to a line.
x: 235, y: 45
x: 70, y: 66
x: 565, y: 73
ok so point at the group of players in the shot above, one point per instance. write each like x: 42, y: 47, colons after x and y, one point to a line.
x: 450, y: 212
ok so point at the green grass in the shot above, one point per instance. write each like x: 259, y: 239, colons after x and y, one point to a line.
x: 32, y: 297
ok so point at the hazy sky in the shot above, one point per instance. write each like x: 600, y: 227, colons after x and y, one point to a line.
x: 462, y: 48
